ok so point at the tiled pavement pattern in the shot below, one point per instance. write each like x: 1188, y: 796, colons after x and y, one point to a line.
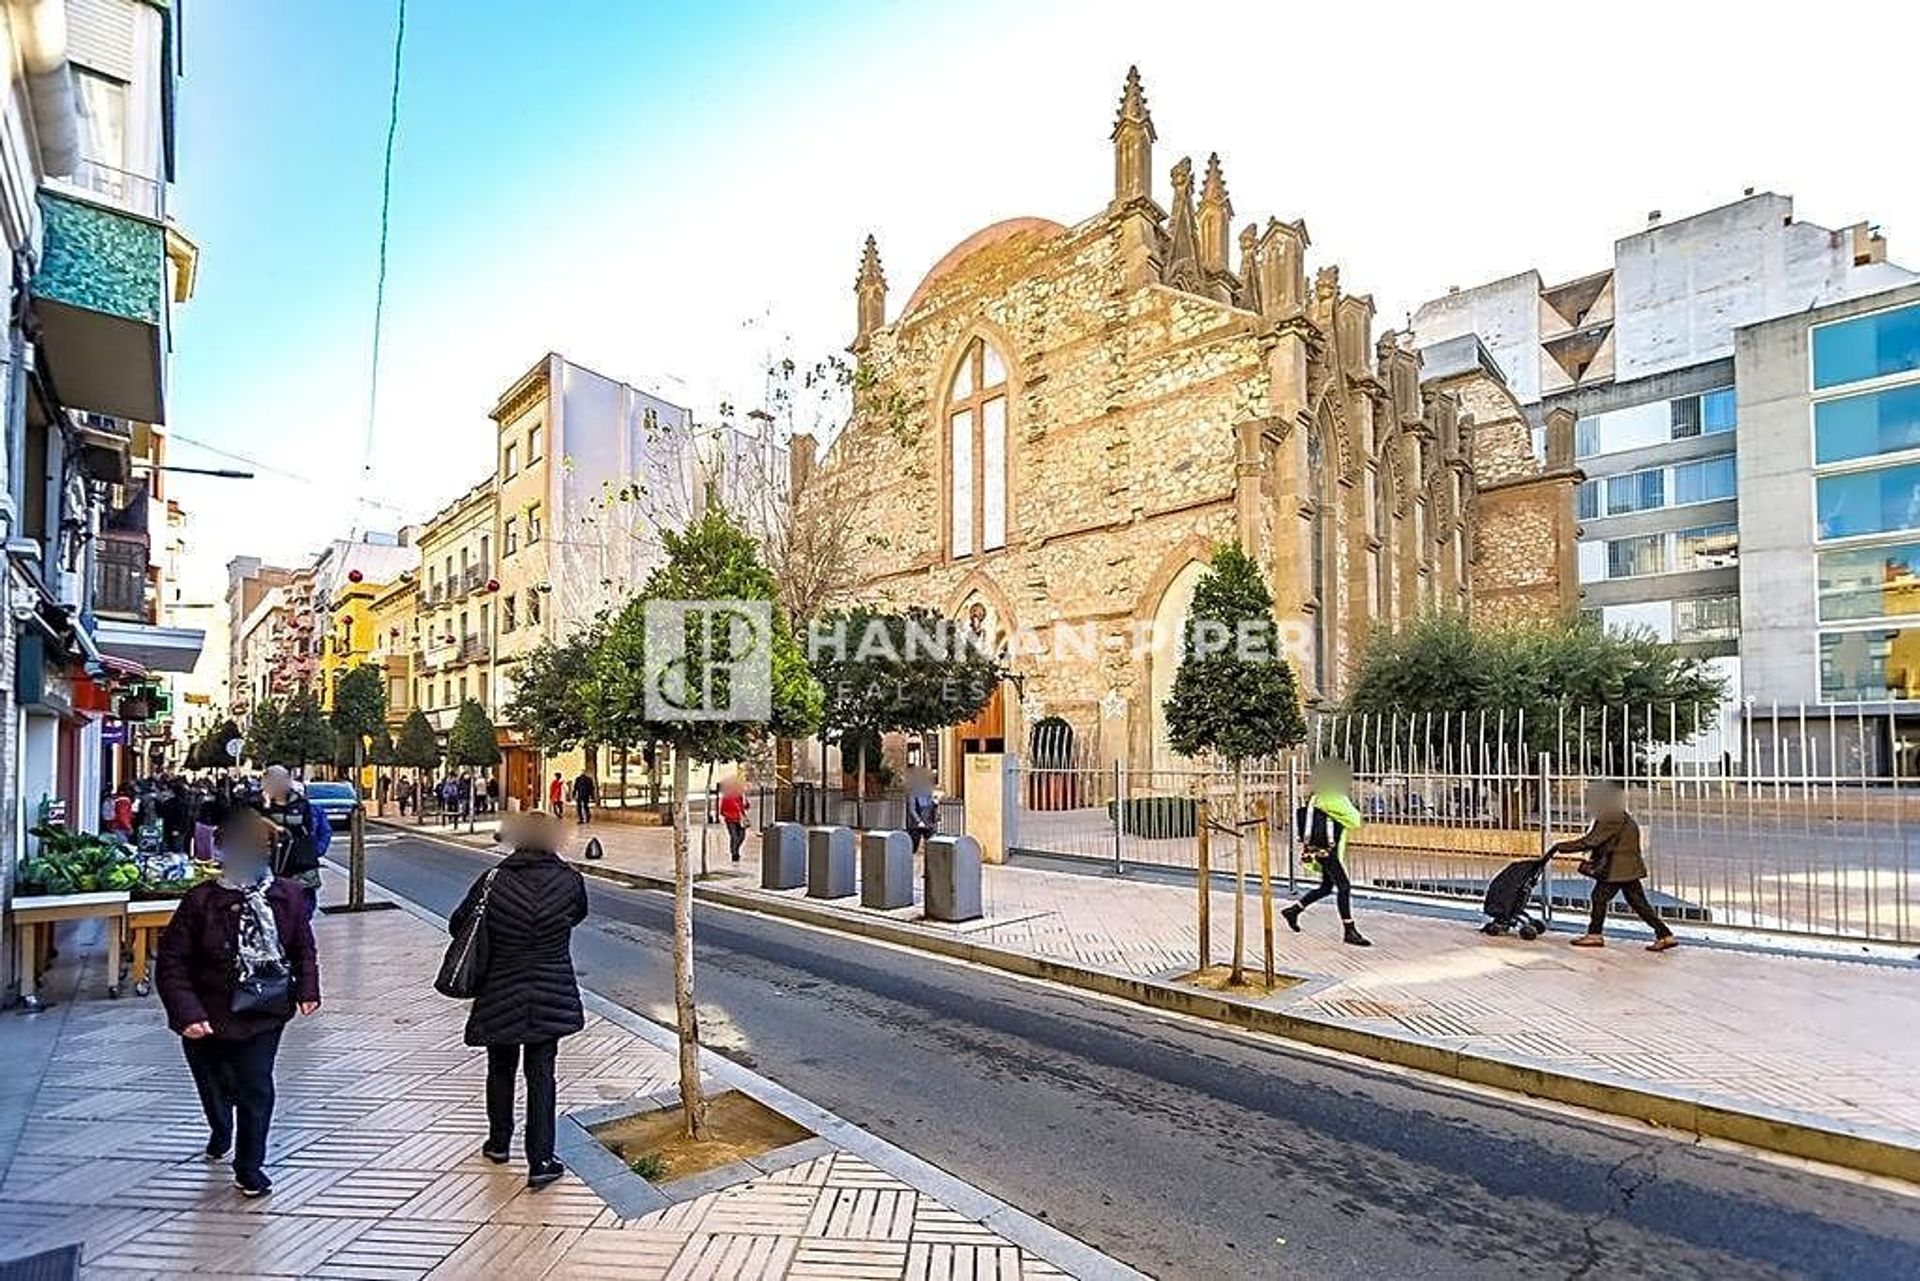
x: 1830, y: 1039
x: 375, y: 1158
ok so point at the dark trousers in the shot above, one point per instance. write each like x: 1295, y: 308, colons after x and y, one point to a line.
x: 311, y: 894
x: 1636, y: 896
x: 736, y: 837
x: 1333, y: 880
x: 582, y: 808
x: 537, y: 1059
x: 919, y: 836
x: 235, y: 1081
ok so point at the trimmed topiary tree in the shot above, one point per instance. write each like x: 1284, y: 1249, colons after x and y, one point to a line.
x: 1234, y: 700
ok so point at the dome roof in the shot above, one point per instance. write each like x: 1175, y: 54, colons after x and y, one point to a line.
x: 973, y: 244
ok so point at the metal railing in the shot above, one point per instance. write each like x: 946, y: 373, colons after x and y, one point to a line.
x: 129, y: 191
x: 1794, y: 821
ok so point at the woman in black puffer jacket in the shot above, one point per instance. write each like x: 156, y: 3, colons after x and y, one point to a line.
x: 529, y: 997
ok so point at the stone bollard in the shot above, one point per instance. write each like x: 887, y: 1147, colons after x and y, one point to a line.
x: 953, y: 878
x: 886, y: 870
x: 829, y: 862
x: 783, y: 857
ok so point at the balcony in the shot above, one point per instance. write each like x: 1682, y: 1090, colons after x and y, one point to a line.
x: 120, y: 577
x: 106, y: 185
x: 100, y: 298
x: 473, y: 649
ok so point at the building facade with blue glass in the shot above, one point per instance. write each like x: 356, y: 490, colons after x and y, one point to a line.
x: 1830, y: 479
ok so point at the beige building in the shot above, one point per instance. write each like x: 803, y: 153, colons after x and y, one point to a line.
x: 454, y: 661
x: 1062, y: 422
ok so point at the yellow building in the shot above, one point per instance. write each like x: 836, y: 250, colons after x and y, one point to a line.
x: 456, y: 608
x: 349, y: 639
x: 396, y: 635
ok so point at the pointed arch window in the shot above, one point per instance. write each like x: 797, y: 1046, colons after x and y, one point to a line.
x: 977, y: 451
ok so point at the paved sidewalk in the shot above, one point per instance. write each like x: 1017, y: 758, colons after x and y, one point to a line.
x: 375, y: 1156
x: 1824, y: 1042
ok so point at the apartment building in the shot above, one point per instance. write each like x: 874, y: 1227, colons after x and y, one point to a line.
x: 1642, y: 355
x: 452, y: 660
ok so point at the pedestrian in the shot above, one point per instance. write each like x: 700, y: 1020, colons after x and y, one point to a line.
x: 234, y: 964
x: 733, y: 812
x: 303, y: 832
x: 923, y: 808
x: 493, y: 794
x: 383, y: 790
x: 556, y: 794
x: 1326, y: 822
x: 1614, y: 861
x: 583, y: 797
x: 116, y: 812
x: 176, y: 816
x: 528, y: 996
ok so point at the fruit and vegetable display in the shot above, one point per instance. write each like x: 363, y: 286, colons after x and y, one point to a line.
x: 77, y: 863
x: 82, y: 863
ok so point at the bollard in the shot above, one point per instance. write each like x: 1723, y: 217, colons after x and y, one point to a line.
x: 593, y: 849
x: 953, y: 878
x: 783, y: 857
x: 886, y: 870
x: 829, y: 862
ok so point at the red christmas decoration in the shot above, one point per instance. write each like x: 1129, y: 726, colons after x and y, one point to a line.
x: 493, y: 584
x: 354, y: 575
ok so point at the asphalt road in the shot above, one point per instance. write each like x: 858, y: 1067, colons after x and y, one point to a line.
x: 1194, y: 1153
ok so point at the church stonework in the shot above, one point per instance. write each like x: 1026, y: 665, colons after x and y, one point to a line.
x: 1063, y: 422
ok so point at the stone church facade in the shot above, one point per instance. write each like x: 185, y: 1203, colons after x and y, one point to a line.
x: 1062, y: 423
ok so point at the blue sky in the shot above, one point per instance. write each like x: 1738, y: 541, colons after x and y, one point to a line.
x: 633, y: 184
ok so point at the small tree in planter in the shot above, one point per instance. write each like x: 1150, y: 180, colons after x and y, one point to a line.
x: 1234, y: 699
x: 712, y: 560
x: 418, y: 749
x: 359, y: 711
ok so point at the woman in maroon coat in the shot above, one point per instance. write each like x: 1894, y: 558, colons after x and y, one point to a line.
x: 243, y: 935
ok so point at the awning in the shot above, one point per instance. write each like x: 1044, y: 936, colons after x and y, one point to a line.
x: 157, y: 649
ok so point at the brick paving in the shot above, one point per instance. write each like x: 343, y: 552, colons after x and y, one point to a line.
x: 375, y: 1159
x: 1829, y: 1039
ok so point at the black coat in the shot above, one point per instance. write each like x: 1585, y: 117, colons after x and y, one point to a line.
x: 529, y: 992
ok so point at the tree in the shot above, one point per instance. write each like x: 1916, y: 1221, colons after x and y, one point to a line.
x: 359, y: 713
x: 418, y: 748
x: 884, y: 672
x: 713, y: 559
x: 1544, y: 674
x: 472, y: 741
x: 552, y: 696
x: 264, y: 734
x: 305, y: 736
x: 1234, y: 699
x: 209, y: 751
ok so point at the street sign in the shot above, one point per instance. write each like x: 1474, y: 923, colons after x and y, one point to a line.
x: 235, y: 746
x: 113, y: 733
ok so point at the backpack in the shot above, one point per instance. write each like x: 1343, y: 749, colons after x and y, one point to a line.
x: 1317, y: 829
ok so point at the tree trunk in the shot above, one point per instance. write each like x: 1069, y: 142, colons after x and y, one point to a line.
x: 1263, y: 813
x: 1239, y: 974
x: 706, y: 817
x: 686, y: 1017
x: 357, y: 840
x: 1202, y: 839
x: 860, y: 788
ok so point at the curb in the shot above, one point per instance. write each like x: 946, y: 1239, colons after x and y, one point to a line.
x: 1770, y: 1129
x: 1068, y: 1253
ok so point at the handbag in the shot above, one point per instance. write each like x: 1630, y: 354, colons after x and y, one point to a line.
x: 464, y: 966
x: 268, y: 992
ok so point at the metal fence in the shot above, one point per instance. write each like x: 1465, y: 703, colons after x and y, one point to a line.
x: 1771, y: 819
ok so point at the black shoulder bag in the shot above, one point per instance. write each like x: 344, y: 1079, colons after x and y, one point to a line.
x: 464, y: 967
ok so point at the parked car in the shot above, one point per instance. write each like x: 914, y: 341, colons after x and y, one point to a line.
x: 337, y: 801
